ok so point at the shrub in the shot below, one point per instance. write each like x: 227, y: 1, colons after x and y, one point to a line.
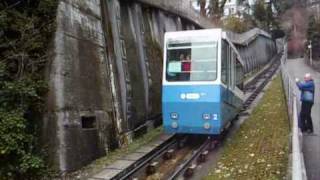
x: 26, y: 27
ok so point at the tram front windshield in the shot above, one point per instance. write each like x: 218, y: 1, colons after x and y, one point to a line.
x: 191, y: 61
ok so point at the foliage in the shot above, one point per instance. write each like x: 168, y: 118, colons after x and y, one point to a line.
x: 25, y: 29
x: 313, y: 35
x: 202, y: 4
x: 259, y: 11
x: 236, y: 24
x: 215, y: 8
x: 263, y: 14
x: 282, y: 5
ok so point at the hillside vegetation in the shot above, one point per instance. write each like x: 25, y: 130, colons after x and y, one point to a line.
x: 26, y: 28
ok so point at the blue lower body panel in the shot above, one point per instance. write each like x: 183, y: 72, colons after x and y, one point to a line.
x: 208, y: 111
x: 190, y: 118
x: 191, y: 103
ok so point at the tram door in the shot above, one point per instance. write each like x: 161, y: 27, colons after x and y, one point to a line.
x: 228, y: 72
x: 232, y: 69
x: 228, y: 78
x: 231, y: 74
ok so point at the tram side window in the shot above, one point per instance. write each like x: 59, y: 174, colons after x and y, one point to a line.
x: 239, y: 74
x: 224, y: 62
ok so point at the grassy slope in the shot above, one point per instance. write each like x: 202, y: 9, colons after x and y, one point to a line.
x: 259, y: 150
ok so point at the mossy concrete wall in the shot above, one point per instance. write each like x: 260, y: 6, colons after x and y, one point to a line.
x: 79, y: 90
x: 104, y: 76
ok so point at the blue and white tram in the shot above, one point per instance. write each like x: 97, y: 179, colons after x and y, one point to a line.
x: 202, y: 82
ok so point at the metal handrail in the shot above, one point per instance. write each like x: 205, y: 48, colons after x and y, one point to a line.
x: 298, y: 167
x: 298, y: 170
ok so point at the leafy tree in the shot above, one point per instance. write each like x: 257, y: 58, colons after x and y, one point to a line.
x: 259, y: 11
x: 216, y: 8
x: 25, y: 29
x: 202, y: 4
x: 282, y: 6
x: 269, y: 14
x: 313, y: 35
x: 263, y: 14
x: 235, y: 24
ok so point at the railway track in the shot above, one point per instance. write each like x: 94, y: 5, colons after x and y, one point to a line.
x: 129, y: 172
x: 171, y: 160
x: 261, y: 80
x: 197, y: 157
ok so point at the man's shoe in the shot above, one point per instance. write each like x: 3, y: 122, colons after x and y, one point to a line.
x: 309, y: 131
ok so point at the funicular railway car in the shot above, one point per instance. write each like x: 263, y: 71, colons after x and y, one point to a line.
x: 202, y: 82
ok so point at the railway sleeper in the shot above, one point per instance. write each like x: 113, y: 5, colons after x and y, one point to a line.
x: 168, y: 154
x: 190, y: 170
x: 213, y: 144
x: 203, y: 156
x: 152, y: 168
x: 181, y: 142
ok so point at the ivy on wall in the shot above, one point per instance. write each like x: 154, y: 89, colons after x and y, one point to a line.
x: 26, y: 28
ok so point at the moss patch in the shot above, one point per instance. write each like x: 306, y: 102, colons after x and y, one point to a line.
x: 154, y: 53
x: 259, y: 150
x: 112, y: 156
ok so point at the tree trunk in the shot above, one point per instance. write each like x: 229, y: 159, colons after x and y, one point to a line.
x: 203, y: 8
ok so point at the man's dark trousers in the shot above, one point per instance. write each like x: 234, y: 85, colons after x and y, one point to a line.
x: 305, y: 116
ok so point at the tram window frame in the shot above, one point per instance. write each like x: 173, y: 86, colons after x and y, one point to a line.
x: 224, y: 62
x: 229, y: 67
x: 239, y: 74
x: 233, y: 65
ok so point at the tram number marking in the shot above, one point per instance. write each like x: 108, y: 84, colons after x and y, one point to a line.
x: 215, y: 116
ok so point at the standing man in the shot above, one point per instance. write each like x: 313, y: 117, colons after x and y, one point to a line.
x: 307, y: 99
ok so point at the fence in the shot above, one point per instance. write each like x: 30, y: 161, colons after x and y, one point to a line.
x: 298, y: 171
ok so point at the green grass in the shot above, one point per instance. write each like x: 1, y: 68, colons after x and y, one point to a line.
x: 259, y: 150
x: 111, y: 157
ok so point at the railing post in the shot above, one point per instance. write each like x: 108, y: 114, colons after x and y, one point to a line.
x: 289, y: 92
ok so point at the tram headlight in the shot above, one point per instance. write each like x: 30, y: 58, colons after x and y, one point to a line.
x: 174, y: 116
x: 174, y: 125
x: 206, y: 125
x: 206, y: 116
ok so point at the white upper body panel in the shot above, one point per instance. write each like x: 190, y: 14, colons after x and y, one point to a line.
x: 207, y: 35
